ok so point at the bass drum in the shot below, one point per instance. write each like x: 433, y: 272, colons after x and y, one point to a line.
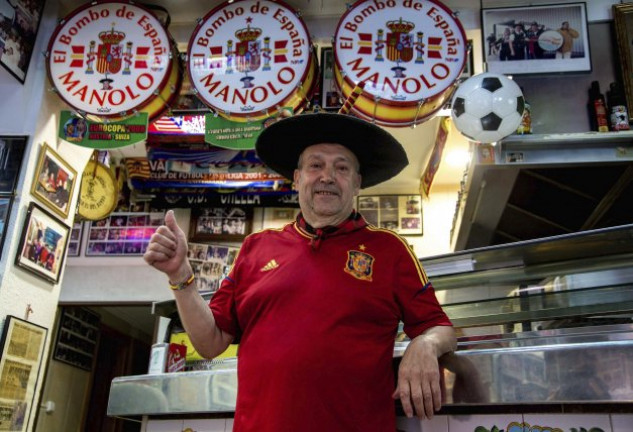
x: 248, y: 59
x: 408, y: 62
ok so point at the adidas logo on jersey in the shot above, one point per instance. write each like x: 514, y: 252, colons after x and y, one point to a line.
x: 272, y: 264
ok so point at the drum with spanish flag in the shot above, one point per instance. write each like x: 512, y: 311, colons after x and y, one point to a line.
x: 111, y: 59
x: 408, y: 53
x: 249, y: 59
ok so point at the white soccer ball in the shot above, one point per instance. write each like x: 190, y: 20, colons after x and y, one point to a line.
x: 487, y: 107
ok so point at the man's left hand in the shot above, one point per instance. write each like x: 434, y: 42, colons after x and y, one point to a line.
x: 419, y: 373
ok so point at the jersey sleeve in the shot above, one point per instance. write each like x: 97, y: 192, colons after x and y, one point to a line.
x: 415, y: 296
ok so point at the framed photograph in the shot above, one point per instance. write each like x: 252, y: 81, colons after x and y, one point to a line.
x: 77, y: 337
x: 5, y: 212
x: 18, y: 29
x: 11, y: 155
x: 42, y: 244
x: 54, y: 181
x: 623, y: 19
x: 537, y: 39
x: 210, y: 263
x: 331, y: 97
x: 74, y: 243
x: 122, y: 234
x: 20, y: 363
x: 470, y: 62
x: 220, y: 223
x: 399, y: 213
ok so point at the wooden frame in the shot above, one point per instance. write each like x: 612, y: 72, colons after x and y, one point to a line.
x: 623, y: 21
x: 331, y: 97
x: 43, y: 244
x: 20, y: 363
x: 77, y: 337
x: 399, y: 213
x: 220, y: 223
x: 54, y: 181
x: 12, y: 151
x: 541, y: 48
x: 6, y: 201
x: 17, y: 38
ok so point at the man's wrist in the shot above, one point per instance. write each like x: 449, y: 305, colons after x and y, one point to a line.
x: 182, y: 285
x: 180, y: 277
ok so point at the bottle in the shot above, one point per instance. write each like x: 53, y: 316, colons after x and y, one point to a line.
x: 618, y: 113
x: 525, y: 127
x: 597, y: 109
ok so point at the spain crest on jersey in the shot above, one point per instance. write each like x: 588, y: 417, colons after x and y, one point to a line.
x: 360, y: 265
x: 110, y: 52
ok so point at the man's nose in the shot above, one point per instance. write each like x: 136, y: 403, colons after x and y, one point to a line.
x: 327, y: 174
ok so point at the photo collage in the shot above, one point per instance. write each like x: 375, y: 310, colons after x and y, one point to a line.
x: 211, y: 264
x: 122, y: 234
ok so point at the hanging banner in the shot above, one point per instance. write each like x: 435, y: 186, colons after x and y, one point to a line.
x: 408, y: 53
x: 249, y: 57
x: 214, y: 199
x: 102, y: 136
x: 110, y: 59
x: 436, y: 156
x: 146, y: 173
x: 230, y: 134
x: 178, y: 125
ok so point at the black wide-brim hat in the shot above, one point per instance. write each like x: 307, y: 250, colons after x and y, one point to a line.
x: 379, y: 154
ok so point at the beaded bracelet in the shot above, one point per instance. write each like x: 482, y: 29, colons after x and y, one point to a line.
x: 181, y: 286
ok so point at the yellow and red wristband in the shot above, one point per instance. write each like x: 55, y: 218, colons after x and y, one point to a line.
x: 181, y: 286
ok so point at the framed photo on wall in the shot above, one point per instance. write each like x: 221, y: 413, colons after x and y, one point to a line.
x: 331, y: 97
x: 220, y: 223
x: 21, y: 20
x: 210, y: 264
x: 54, y: 181
x: 5, y: 212
x: 399, y: 213
x: 43, y: 244
x: 74, y: 244
x: 77, y: 337
x: 11, y: 155
x: 122, y: 234
x: 20, y: 362
x: 536, y: 39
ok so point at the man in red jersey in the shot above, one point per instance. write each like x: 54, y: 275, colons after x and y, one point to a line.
x: 316, y: 305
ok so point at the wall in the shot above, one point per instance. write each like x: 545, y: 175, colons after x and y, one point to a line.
x: 26, y: 110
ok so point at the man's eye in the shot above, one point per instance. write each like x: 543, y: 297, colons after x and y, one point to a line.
x: 343, y: 168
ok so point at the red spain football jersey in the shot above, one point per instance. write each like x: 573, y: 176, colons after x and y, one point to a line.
x: 317, y: 319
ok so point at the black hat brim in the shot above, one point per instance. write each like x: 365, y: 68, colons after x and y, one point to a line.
x: 379, y: 154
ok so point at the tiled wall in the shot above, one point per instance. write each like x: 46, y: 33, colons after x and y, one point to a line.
x: 457, y: 423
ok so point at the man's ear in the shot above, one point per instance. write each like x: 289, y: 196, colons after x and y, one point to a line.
x: 295, y: 179
x: 359, y: 180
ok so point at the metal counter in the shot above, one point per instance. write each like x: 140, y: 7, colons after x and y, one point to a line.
x: 588, y: 365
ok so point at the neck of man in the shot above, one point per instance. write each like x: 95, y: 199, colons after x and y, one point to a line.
x: 321, y: 221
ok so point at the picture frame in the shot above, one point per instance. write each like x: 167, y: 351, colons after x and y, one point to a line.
x: 12, y: 149
x: 399, y: 213
x: 77, y: 337
x: 122, y: 234
x: 43, y: 244
x: 529, y: 40
x: 22, y: 347
x: 210, y: 264
x: 76, y: 237
x: 220, y: 223
x: 17, y: 38
x: 54, y: 181
x: 6, y: 201
x: 331, y: 97
x: 623, y: 22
